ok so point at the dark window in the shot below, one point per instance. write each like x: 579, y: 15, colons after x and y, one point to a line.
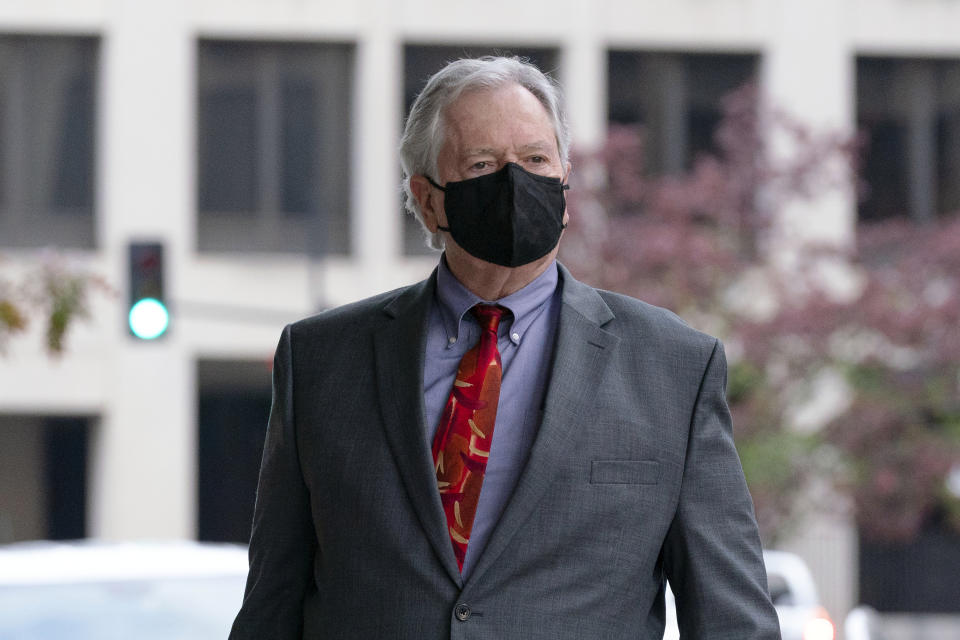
x: 47, y: 117
x: 914, y: 576
x: 274, y: 147
x: 65, y: 457
x: 884, y: 169
x: 422, y: 61
x: 228, y: 151
x: 909, y: 110
x: 232, y: 417
x: 676, y: 97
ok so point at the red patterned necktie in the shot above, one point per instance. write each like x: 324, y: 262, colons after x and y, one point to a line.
x: 461, y: 446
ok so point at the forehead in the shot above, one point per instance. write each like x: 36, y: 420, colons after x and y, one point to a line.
x: 507, y: 116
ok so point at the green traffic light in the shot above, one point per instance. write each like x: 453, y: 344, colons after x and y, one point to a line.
x: 148, y: 319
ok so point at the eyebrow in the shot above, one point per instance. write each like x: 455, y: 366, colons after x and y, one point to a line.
x: 481, y: 151
x: 540, y: 145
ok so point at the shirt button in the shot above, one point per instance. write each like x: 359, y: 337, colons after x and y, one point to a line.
x: 515, y: 337
x: 451, y: 339
x: 462, y: 612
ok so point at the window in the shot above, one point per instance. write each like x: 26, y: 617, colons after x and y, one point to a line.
x: 676, y: 97
x: 43, y: 477
x: 47, y: 117
x: 910, y: 112
x: 912, y: 576
x: 419, y: 63
x: 232, y: 422
x: 273, y: 147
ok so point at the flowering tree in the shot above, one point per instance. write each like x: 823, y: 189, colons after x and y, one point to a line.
x: 898, y: 344
x: 52, y: 292
x: 699, y: 244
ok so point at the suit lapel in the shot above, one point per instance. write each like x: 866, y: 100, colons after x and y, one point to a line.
x: 400, y: 348
x: 581, y: 355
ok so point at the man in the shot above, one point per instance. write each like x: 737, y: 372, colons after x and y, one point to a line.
x: 533, y: 467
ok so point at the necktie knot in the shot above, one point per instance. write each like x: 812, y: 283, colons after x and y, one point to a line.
x: 489, y: 315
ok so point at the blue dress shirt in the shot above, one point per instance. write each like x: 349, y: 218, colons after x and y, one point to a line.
x: 526, y: 344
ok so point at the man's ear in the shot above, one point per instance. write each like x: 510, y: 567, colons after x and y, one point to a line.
x: 428, y: 199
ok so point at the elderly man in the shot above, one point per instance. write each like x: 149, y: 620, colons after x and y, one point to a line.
x: 499, y: 451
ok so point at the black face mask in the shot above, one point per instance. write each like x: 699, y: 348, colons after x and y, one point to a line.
x: 511, y: 217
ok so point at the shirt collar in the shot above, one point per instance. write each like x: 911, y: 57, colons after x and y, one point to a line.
x: 455, y: 300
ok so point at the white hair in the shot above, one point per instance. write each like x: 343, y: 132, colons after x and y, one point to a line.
x: 423, y: 134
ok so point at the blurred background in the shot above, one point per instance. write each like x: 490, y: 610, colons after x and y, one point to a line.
x: 783, y: 174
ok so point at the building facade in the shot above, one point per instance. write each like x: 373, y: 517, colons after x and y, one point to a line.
x: 256, y: 142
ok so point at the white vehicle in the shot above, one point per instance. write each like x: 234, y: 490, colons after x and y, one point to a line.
x: 106, y: 591
x: 794, y: 596
x: 192, y: 591
x: 863, y: 623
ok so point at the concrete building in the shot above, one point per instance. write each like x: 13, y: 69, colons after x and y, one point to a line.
x: 256, y: 142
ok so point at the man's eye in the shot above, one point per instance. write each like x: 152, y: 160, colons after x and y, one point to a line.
x: 480, y: 166
x: 537, y: 159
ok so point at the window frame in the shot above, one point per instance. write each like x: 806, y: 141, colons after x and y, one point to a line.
x: 29, y: 215
x: 266, y: 226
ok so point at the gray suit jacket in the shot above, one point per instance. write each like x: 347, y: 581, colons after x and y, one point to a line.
x: 633, y: 478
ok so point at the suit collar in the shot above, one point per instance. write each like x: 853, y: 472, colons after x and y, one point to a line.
x: 584, y: 299
x: 413, y: 300
x: 399, y: 347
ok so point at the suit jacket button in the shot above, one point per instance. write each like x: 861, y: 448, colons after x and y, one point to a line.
x: 462, y: 612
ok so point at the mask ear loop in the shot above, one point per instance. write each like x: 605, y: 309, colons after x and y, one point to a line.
x: 564, y: 186
x: 430, y: 180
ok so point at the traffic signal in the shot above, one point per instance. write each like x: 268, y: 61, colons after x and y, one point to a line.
x: 148, y: 317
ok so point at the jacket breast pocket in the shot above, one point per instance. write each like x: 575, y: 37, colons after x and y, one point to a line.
x: 624, y: 472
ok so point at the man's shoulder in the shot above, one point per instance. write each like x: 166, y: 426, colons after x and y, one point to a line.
x: 627, y: 307
x: 364, y: 313
x: 632, y: 318
x: 652, y: 329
